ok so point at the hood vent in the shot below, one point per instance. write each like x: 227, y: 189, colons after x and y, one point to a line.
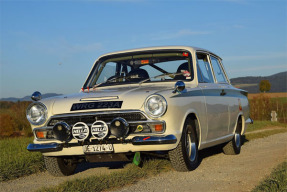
x: 105, y: 98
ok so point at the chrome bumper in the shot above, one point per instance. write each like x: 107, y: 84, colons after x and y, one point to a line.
x: 45, y: 147
x: 152, y: 140
x: 138, y: 140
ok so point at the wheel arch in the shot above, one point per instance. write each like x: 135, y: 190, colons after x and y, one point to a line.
x: 243, y: 126
x: 192, y: 115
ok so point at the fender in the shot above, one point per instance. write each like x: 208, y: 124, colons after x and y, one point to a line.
x: 193, y: 111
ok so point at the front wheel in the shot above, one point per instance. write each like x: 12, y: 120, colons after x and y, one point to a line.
x: 60, y: 166
x: 185, y: 156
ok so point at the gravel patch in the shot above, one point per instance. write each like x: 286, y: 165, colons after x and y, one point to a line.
x: 221, y: 172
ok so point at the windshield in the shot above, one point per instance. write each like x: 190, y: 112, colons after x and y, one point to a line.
x: 141, y: 68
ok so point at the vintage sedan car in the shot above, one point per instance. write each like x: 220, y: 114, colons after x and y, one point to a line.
x: 172, y: 100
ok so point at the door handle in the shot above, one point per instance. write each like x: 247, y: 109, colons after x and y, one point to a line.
x: 222, y: 93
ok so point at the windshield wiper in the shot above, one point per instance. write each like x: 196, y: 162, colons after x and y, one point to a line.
x: 172, y: 75
x: 111, y: 80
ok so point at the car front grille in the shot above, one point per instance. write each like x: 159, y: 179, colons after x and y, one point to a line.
x: 91, y: 118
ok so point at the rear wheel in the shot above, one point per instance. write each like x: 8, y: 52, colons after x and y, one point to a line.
x: 233, y: 147
x: 60, y: 166
x: 185, y: 156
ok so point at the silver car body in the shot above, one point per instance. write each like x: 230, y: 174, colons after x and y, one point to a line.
x: 216, y: 106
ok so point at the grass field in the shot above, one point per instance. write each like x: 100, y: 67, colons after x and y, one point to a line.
x: 260, y: 125
x: 16, y: 161
x: 260, y: 129
x: 277, y: 181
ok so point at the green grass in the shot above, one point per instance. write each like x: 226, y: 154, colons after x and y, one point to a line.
x: 258, y: 125
x: 263, y: 134
x: 131, y: 174
x: 16, y: 161
x: 277, y: 181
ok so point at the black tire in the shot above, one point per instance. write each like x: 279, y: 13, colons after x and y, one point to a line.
x: 185, y: 156
x: 233, y: 147
x: 59, y: 166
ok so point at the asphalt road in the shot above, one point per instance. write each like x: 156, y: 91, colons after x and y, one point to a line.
x: 217, y: 172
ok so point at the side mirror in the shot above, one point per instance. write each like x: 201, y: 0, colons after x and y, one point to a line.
x: 36, y: 96
x: 179, y: 87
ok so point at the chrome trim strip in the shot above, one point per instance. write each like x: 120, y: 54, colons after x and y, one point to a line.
x: 216, y: 141
x: 104, y: 98
x: 97, y: 113
x: 44, y: 147
x: 153, y: 140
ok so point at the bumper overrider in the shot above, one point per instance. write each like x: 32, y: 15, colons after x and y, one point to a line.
x: 138, y: 140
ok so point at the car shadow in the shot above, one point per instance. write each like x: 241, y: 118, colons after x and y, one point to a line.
x: 244, y: 140
x: 211, y: 151
x: 205, y: 153
x: 83, y: 166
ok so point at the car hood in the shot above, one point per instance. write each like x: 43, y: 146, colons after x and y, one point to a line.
x: 132, y: 98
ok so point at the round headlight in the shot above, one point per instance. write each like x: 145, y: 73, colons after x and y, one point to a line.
x: 155, y: 106
x: 36, y: 113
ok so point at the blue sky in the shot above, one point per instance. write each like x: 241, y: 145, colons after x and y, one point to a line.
x: 50, y: 45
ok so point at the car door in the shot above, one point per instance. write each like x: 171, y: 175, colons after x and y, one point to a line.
x: 216, y: 107
x: 228, y: 93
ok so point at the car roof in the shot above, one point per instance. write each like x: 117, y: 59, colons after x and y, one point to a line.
x: 159, y: 48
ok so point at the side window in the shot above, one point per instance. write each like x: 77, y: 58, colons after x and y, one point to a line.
x: 203, y: 69
x: 218, y: 70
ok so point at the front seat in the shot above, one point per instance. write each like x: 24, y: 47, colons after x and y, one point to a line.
x: 181, y: 68
x: 137, y: 75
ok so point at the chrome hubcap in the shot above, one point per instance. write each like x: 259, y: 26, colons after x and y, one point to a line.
x: 190, y: 147
x: 237, y: 140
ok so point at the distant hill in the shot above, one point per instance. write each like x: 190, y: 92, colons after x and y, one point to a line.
x: 28, y: 98
x: 251, y: 84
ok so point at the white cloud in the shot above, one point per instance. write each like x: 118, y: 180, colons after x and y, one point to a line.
x: 178, y: 34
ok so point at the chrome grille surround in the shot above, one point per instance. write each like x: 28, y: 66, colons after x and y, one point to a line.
x: 90, y: 118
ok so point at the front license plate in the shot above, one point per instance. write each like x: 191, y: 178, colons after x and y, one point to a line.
x: 104, y: 148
